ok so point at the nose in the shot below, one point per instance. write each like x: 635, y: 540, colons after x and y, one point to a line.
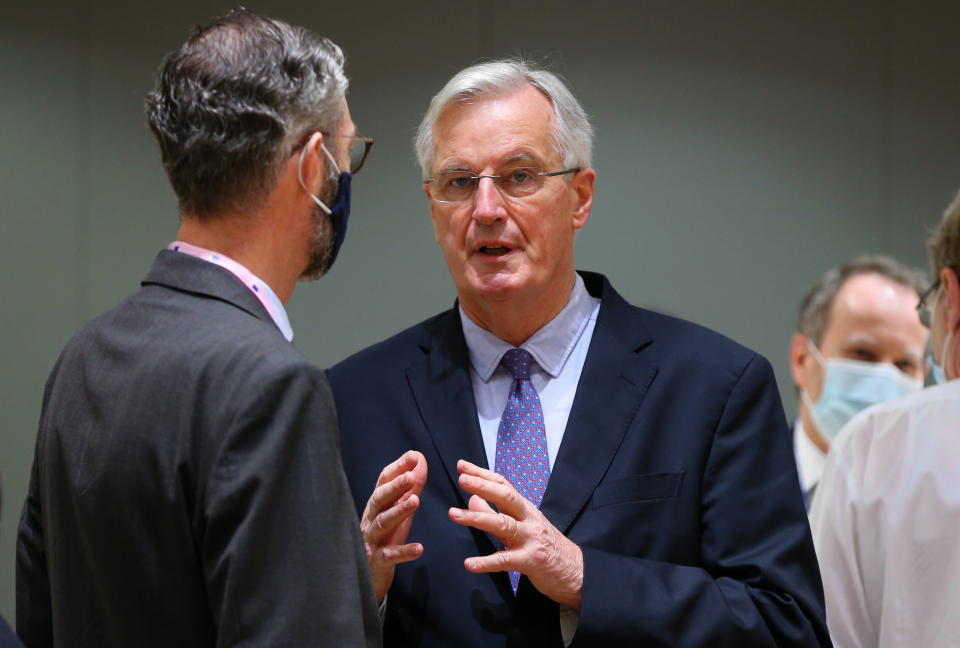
x: 488, y: 206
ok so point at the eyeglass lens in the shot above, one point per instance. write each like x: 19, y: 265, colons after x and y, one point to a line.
x: 456, y: 186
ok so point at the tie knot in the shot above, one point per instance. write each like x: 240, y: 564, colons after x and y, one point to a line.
x: 517, y: 362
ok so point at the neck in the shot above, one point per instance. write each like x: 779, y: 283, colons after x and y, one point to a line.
x: 249, y: 241
x: 811, y: 431
x: 516, y: 319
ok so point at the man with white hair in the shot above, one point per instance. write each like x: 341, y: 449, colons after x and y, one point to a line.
x: 885, y: 520
x: 640, y: 466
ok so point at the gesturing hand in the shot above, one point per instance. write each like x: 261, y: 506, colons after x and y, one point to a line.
x: 387, y: 518
x: 533, y: 546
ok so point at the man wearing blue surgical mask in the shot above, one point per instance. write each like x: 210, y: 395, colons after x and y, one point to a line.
x: 858, y: 342
x: 886, y: 517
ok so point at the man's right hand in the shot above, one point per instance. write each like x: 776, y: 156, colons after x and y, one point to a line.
x: 387, y: 518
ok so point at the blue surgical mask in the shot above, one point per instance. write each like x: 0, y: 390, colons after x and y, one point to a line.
x: 851, y: 386
x: 937, y: 370
x: 340, y: 211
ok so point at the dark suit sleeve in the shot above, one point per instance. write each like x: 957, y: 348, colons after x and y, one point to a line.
x: 34, y: 603
x: 283, y: 557
x: 757, y: 583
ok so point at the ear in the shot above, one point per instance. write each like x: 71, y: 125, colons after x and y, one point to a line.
x: 582, y: 184
x: 950, y: 295
x: 313, y: 164
x: 800, y: 360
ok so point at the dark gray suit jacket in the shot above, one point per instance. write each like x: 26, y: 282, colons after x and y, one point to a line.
x: 187, y: 487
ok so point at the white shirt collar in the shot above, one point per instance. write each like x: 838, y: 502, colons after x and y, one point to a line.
x: 550, y: 346
x: 810, y: 458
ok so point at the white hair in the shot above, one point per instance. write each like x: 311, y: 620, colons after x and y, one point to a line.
x: 572, y: 132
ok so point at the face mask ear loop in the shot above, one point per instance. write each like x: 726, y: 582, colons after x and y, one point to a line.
x: 804, y: 394
x: 816, y: 352
x: 805, y: 397
x: 332, y: 161
x: 304, y: 185
x: 946, y: 350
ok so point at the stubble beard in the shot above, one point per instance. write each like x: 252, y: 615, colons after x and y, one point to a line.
x: 321, y: 240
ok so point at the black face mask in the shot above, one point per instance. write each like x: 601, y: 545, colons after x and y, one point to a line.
x: 339, y: 212
x: 340, y: 215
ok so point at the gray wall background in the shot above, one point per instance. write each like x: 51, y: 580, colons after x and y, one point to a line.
x: 742, y: 148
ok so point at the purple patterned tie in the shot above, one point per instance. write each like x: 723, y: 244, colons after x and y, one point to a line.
x: 522, y: 438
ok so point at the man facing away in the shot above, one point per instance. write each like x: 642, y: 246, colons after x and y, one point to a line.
x: 886, y: 518
x: 553, y: 466
x: 858, y: 342
x: 187, y: 488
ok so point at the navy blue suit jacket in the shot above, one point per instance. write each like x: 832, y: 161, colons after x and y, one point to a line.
x: 675, y: 476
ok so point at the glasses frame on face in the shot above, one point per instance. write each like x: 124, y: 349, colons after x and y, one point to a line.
x: 497, y: 181
x: 924, y: 307
x: 367, y: 143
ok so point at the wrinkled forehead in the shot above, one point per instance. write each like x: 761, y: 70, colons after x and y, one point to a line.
x: 495, y: 129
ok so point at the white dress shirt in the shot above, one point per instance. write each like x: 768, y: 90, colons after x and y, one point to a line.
x: 886, y: 524
x: 810, y: 460
x: 559, y: 350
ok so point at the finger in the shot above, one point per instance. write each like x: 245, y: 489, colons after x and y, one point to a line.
x: 477, y: 503
x: 500, y: 561
x: 386, y: 495
x: 467, y: 468
x: 396, y: 554
x: 502, y: 526
x: 406, y: 462
x: 385, y: 523
x: 419, y: 471
x: 501, y: 494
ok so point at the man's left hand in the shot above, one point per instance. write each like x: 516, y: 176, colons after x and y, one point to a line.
x: 533, y: 546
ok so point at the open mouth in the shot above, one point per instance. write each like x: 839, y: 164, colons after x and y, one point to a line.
x: 493, y: 250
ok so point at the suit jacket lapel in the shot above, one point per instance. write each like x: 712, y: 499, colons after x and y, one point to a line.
x: 189, y: 274
x: 444, y: 395
x: 612, y: 385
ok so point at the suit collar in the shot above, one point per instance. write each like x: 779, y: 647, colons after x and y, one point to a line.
x: 189, y: 274
x: 622, y: 321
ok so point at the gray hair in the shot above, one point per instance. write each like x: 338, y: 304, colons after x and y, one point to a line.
x: 572, y: 132
x: 234, y: 101
x: 815, y: 307
x: 944, y: 244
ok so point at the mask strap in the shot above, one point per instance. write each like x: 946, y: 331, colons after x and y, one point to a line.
x: 946, y: 349
x: 303, y: 152
x: 816, y: 353
x: 805, y: 397
x: 804, y: 394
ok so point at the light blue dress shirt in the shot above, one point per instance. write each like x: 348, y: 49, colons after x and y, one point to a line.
x: 559, y: 350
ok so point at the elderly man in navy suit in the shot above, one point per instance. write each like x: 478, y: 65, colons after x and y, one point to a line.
x: 572, y: 470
